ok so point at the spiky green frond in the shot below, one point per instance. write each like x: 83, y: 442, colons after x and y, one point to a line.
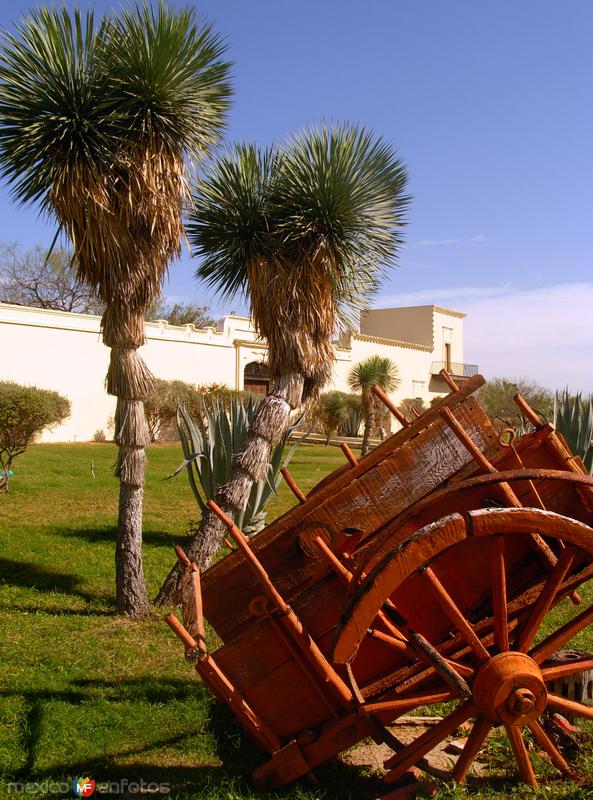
x: 307, y: 230
x: 79, y: 97
x: 54, y: 111
x: 230, y: 224
x: 376, y: 369
x: 330, y: 196
x: 340, y: 200
x: 168, y: 79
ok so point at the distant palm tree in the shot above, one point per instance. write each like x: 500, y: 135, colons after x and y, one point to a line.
x: 304, y: 231
x: 375, y: 370
x: 97, y: 123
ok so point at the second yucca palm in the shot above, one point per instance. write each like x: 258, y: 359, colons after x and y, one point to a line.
x: 305, y: 232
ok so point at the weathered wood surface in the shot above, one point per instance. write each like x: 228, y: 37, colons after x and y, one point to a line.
x: 365, y: 497
x: 412, y: 480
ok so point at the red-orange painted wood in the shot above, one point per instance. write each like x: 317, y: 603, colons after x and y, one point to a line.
x: 378, y: 592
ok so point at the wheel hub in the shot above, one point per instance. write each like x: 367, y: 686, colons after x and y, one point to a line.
x: 510, y: 688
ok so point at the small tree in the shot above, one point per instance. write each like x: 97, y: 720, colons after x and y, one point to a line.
x: 496, y: 398
x: 161, y: 407
x: 331, y: 410
x: 182, y: 314
x: 24, y: 412
x: 378, y: 370
x: 410, y: 404
x: 34, y: 278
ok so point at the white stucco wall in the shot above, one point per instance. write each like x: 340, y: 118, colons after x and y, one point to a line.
x: 62, y: 351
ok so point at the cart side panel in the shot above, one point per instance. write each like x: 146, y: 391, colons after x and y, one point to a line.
x: 367, y: 503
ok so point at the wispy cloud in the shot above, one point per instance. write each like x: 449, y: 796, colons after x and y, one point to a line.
x: 542, y: 333
x: 457, y: 296
x: 476, y: 239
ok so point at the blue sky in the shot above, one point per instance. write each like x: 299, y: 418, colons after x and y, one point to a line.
x: 490, y: 104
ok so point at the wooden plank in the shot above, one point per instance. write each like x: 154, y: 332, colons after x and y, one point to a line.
x: 368, y: 503
x: 343, y: 478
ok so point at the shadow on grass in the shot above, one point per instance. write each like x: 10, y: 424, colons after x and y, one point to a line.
x: 229, y: 770
x: 150, y: 689
x: 91, y: 611
x: 28, y: 575
x: 108, y: 534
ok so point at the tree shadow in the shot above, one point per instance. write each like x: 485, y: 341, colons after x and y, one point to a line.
x: 227, y: 773
x: 29, y: 575
x: 26, y: 608
x: 108, y: 534
x: 150, y: 689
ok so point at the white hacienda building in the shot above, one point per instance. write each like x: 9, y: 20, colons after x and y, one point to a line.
x: 63, y: 351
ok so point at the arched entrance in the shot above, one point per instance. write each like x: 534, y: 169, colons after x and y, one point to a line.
x: 256, y: 377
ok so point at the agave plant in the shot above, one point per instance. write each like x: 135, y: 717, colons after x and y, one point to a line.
x: 209, y: 443
x: 573, y: 418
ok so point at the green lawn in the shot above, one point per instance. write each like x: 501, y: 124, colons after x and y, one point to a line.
x: 86, y: 693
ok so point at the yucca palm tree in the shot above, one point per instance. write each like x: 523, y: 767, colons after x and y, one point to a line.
x: 304, y: 231
x: 374, y: 370
x: 97, y: 123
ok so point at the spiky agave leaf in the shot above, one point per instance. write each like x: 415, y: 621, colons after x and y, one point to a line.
x: 307, y: 230
x: 573, y: 418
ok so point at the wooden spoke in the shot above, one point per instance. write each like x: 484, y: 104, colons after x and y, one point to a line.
x: 569, y: 668
x: 407, y: 703
x: 462, y: 669
x: 521, y: 755
x: 402, y: 761
x: 454, y: 613
x: 563, y: 635
x: 499, y: 596
x: 557, y: 703
x: 476, y: 739
x: 548, y: 746
x: 546, y: 599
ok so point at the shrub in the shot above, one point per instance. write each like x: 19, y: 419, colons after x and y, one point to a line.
x: 161, y: 407
x: 496, y: 398
x: 409, y: 403
x: 24, y: 412
x: 99, y: 435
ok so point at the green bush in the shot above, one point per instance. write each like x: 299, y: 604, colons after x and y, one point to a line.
x: 167, y: 396
x: 161, y: 407
x: 408, y: 403
x: 24, y: 412
x: 334, y: 412
x: 496, y: 398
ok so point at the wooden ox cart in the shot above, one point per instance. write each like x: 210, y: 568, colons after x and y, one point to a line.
x: 417, y: 575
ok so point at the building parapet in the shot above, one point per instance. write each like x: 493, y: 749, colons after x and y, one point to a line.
x: 363, y: 337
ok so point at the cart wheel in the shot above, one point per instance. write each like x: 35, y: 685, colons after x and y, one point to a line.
x: 505, y: 671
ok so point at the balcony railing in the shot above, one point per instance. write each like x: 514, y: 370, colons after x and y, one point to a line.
x: 454, y: 370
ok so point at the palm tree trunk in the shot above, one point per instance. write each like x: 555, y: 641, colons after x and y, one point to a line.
x: 369, y: 418
x: 270, y: 422
x: 368, y: 424
x: 131, y: 594
x: 129, y: 379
